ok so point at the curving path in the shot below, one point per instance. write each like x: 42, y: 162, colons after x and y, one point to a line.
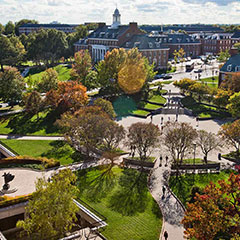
x: 27, y: 137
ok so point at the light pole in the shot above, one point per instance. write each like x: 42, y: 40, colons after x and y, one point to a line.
x: 194, y: 156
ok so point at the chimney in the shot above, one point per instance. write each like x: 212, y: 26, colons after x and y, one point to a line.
x: 101, y: 24
x: 133, y: 25
x: 233, y: 51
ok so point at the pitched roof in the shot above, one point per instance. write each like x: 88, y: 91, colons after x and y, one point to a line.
x: 180, y: 38
x: 236, y: 35
x: 106, y: 32
x: 143, y: 42
x: 231, y: 64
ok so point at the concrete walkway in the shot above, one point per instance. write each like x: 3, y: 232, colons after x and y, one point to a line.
x: 22, y: 137
x: 170, y: 206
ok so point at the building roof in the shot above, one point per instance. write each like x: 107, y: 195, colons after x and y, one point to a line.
x: 236, y: 35
x: 180, y: 38
x: 116, y: 12
x: 185, y: 27
x: 218, y: 36
x: 106, y: 32
x: 50, y: 25
x: 144, y: 42
x: 231, y: 64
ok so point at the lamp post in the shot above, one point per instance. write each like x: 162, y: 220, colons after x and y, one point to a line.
x: 194, y: 158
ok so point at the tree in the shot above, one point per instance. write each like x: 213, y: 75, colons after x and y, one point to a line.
x: 230, y: 132
x: 215, y: 214
x: 1, y: 28
x: 82, y: 66
x: 232, y: 82
x: 132, y: 76
x: 236, y: 45
x: 234, y: 105
x: 207, y: 142
x: 221, y: 98
x: 178, y: 139
x: 11, y: 85
x: 199, y: 89
x: 181, y: 54
x: 21, y: 22
x: 184, y: 84
x: 144, y: 137
x: 9, y: 28
x: 33, y: 102
x: 51, y: 211
x: 106, y: 106
x: 69, y: 95
x: 223, y: 56
x: 49, y: 80
x: 91, y: 80
x: 176, y: 55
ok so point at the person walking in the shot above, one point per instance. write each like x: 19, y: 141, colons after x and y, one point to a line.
x: 160, y: 164
x: 163, y: 190
x: 165, y: 235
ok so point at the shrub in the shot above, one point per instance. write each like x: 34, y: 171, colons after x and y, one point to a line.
x: 6, y: 201
x: 47, y: 163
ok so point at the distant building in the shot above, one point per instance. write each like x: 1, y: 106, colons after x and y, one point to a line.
x: 231, y: 66
x: 105, y: 38
x: 29, y: 27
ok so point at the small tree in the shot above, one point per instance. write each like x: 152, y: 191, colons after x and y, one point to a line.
x: 221, y: 98
x: 199, y: 89
x: 49, y: 80
x: 232, y: 82
x: 144, y: 137
x: 106, y: 106
x: 51, y: 211
x: 207, y: 142
x: 230, y: 132
x: 11, y: 85
x: 178, y: 139
x: 215, y: 214
x: 184, y: 84
x: 33, y: 102
x: 223, y: 56
x: 234, y: 105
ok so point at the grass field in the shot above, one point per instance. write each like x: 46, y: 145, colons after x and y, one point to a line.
x: 63, y: 74
x: 42, y: 148
x: 157, y: 99
x: 122, y: 197
x: 183, y: 185
x: 24, y: 124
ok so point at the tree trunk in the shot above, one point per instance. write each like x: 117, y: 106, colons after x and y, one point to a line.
x: 2, y: 70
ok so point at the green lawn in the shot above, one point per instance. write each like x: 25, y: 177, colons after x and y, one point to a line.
x: 149, y: 106
x: 123, y: 198
x: 209, y: 79
x: 63, y: 74
x: 182, y: 185
x: 42, y: 148
x: 140, y: 112
x: 24, y: 124
x: 157, y: 99
x: 196, y: 161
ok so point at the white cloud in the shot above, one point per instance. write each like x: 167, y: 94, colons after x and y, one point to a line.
x: 141, y: 11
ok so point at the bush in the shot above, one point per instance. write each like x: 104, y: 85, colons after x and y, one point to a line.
x: 6, y: 201
x: 47, y: 163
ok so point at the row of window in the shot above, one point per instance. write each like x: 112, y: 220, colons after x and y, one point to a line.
x: 230, y: 68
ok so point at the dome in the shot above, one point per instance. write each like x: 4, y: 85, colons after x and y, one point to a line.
x: 116, y: 12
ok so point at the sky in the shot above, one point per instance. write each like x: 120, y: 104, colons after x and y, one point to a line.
x: 141, y: 11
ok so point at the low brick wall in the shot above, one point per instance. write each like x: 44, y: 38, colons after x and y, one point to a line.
x: 127, y: 161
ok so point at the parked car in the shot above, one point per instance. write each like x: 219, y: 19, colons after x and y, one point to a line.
x: 198, y: 71
x: 167, y: 76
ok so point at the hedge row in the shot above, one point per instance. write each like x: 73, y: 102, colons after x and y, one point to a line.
x: 47, y: 163
x: 6, y: 201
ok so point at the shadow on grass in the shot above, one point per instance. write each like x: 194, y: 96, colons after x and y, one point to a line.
x: 27, y: 124
x: 96, y: 183
x: 132, y: 195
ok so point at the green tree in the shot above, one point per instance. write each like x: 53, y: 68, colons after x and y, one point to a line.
x: 21, y: 22
x: 82, y: 66
x: 234, y: 105
x: 144, y: 137
x: 184, y: 84
x: 199, y: 89
x: 2, y: 29
x: 232, y: 82
x: 223, y: 56
x: 106, y: 106
x: 49, y: 80
x: 236, y: 45
x: 9, y: 28
x: 221, y: 98
x: 11, y: 85
x: 51, y: 211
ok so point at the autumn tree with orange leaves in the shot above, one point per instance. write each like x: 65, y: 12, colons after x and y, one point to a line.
x: 216, y: 213
x: 69, y: 95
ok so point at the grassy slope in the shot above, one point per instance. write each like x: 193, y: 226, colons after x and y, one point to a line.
x: 22, y: 124
x: 139, y: 226
x: 39, y: 148
x: 182, y: 187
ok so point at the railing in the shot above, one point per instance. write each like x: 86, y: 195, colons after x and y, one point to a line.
x: 2, y: 237
x: 6, y: 149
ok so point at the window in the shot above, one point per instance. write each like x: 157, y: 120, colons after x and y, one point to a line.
x: 237, y: 69
x: 150, y: 45
x: 229, y: 68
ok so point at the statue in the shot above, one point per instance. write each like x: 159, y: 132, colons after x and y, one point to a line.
x: 8, y: 177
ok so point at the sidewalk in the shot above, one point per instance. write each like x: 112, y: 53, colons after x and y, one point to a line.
x: 171, y: 208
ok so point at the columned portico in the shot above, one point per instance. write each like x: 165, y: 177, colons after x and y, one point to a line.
x: 98, y: 52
